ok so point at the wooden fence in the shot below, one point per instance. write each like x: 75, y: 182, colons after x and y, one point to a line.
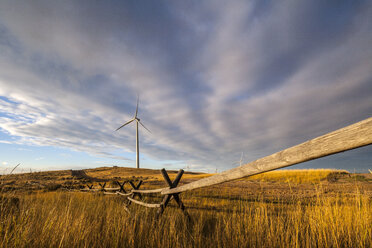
x: 347, y: 138
x: 137, y: 192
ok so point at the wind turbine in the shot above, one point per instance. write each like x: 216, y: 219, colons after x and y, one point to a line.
x: 135, y: 118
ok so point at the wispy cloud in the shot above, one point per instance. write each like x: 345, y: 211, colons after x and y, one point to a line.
x: 215, y: 79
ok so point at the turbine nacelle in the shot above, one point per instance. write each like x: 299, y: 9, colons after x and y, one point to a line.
x: 134, y: 118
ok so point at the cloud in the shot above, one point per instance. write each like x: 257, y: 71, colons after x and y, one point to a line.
x: 215, y: 79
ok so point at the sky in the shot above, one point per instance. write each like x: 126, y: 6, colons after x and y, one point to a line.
x: 220, y: 83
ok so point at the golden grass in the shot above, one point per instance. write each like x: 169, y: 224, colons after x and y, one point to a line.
x: 58, y: 219
x: 286, y: 208
x: 297, y: 176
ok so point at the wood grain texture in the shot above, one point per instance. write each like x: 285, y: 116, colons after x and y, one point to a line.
x: 347, y: 138
x: 109, y: 193
x: 147, y: 191
x: 149, y: 205
x: 112, y: 189
x: 122, y: 194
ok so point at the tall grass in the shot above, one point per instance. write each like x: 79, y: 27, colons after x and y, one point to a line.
x: 297, y: 176
x: 57, y: 219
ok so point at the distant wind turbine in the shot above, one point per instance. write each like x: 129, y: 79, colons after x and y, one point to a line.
x: 137, y: 140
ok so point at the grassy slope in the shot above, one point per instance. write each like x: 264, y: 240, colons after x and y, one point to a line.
x: 279, y: 209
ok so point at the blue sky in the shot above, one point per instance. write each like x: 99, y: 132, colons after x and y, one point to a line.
x: 216, y: 79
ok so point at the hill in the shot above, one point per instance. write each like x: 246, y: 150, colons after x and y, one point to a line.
x: 75, y: 179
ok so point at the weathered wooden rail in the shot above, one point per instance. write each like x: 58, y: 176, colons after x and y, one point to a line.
x: 347, y: 138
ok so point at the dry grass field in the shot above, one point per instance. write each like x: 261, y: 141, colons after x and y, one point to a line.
x: 286, y: 208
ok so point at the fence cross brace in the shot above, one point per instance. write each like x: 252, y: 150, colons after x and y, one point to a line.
x: 90, y: 186
x: 121, y: 186
x: 175, y: 196
x: 102, y: 186
x: 135, y: 187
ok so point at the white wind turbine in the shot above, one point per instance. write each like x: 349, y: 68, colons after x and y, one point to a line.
x: 137, y: 141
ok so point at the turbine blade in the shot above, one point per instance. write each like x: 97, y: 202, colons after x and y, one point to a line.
x: 144, y: 126
x: 124, y: 124
x: 136, y: 108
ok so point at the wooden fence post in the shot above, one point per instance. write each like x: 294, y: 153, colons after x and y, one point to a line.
x: 102, y: 187
x: 122, y: 186
x: 136, y: 188
x: 175, y: 196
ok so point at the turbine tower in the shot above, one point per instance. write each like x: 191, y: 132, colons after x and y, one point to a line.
x: 137, y: 140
